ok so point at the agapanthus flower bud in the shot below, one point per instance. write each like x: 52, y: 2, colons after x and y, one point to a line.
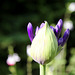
x: 65, y: 36
x: 58, y: 28
x: 30, y: 31
x: 12, y: 59
x: 44, y: 46
x: 46, y: 43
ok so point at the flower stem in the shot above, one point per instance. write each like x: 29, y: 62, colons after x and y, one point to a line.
x: 42, y: 69
x: 29, y: 65
x: 13, y: 70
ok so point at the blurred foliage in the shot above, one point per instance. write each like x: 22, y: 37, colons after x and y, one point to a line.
x: 14, y: 17
x: 71, y: 67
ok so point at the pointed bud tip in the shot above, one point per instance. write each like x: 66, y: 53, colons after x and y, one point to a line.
x: 42, y: 24
x: 29, y: 25
x: 60, y: 22
x: 46, y: 23
x: 60, y: 19
x: 30, y: 31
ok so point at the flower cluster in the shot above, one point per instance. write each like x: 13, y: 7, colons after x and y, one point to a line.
x: 57, y: 31
x: 46, y: 43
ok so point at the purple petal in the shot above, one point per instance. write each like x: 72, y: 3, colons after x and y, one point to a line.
x: 65, y: 36
x: 60, y: 24
x: 56, y: 31
x: 36, y: 31
x: 58, y: 28
x: 42, y: 25
x: 30, y: 31
x: 60, y: 41
x: 52, y: 28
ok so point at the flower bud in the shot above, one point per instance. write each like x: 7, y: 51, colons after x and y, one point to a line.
x: 36, y: 31
x: 52, y: 28
x: 44, y: 46
x: 65, y: 36
x: 58, y: 28
x: 30, y: 31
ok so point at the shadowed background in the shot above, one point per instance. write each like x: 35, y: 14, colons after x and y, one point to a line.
x: 14, y: 17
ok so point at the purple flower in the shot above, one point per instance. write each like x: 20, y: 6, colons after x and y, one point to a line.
x: 57, y: 31
x: 30, y: 31
x: 58, y: 28
x: 65, y: 37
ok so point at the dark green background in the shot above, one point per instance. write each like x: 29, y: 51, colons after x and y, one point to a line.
x: 14, y: 17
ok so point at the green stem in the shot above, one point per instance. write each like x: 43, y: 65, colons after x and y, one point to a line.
x: 12, y: 69
x: 29, y: 65
x: 42, y: 69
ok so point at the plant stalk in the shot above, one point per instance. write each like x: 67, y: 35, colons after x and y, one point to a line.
x: 42, y: 69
